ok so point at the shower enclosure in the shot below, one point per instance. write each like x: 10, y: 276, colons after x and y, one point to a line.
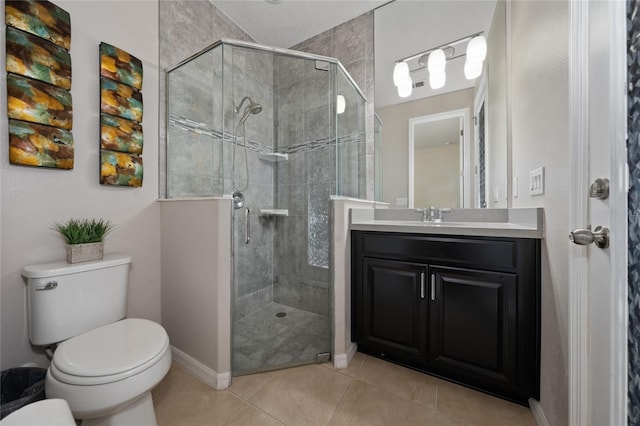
x: 283, y: 131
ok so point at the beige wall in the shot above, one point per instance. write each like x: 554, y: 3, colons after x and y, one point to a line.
x: 196, y: 277
x: 540, y: 117
x: 34, y: 198
x: 395, y: 136
x: 436, y: 176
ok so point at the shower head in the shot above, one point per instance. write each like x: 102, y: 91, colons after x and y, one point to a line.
x: 252, y: 108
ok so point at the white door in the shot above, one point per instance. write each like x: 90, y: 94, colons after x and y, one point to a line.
x: 598, y: 302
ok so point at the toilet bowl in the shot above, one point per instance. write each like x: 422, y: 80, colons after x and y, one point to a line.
x: 104, y: 365
x: 109, y: 368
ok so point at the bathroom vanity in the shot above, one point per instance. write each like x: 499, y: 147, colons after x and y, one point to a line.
x: 459, y: 300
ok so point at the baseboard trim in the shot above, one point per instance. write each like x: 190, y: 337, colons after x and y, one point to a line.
x: 343, y: 360
x: 537, y: 412
x: 218, y: 381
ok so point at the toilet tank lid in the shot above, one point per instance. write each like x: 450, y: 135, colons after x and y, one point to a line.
x: 63, y: 268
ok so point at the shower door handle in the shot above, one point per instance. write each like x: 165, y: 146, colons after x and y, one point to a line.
x: 247, y: 226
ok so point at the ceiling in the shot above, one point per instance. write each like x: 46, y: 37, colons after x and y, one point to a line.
x: 402, y: 28
x: 288, y: 22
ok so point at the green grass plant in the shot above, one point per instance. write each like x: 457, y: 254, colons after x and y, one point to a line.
x: 83, y: 231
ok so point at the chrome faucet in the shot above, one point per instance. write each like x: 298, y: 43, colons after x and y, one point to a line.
x: 433, y: 214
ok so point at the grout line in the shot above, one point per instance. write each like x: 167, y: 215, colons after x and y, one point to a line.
x: 341, y: 401
x: 257, y: 408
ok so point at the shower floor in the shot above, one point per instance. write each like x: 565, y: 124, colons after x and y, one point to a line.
x: 264, y: 341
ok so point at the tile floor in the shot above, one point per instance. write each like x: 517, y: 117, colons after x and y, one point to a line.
x: 369, y: 392
x: 263, y: 340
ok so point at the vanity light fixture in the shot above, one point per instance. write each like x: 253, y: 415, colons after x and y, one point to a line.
x: 401, y: 74
x: 405, y: 89
x: 436, y: 61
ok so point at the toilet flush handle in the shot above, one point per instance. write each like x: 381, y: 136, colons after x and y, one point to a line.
x: 48, y: 286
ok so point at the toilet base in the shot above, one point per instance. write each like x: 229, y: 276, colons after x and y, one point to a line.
x: 139, y: 412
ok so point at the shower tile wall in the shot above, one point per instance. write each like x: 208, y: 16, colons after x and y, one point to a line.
x: 352, y: 43
x: 304, y: 184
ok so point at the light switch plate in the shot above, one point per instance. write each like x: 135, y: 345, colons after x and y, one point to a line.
x: 536, y: 181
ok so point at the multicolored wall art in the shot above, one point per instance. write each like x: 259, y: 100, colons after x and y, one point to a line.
x: 39, y: 101
x: 121, y: 114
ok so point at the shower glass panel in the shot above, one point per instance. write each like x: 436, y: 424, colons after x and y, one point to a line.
x: 266, y: 121
x: 351, y: 140
x: 194, y: 147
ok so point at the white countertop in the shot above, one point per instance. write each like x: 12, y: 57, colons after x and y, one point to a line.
x: 514, y: 223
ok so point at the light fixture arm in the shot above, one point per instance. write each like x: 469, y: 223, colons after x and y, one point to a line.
x: 442, y: 46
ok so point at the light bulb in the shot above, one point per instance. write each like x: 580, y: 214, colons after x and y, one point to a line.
x: 341, y: 104
x: 437, y: 79
x: 472, y: 70
x: 405, y: 89
x: 437, y: 61
x: 477, y: 50
x: 401, y: 73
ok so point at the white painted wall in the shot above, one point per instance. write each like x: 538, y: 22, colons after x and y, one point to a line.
x: 540, y: 111
x: 496, y: 110
x: 32, y: 199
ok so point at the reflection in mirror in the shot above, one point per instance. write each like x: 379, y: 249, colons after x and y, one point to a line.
x: 439, y: 160
x: 404, y: 28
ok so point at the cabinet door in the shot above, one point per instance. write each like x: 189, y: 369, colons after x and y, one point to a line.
x: 394, y: 320
x: 473, y: 326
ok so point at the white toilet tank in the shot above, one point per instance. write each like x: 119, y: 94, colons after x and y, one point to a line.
x: 66, y: 300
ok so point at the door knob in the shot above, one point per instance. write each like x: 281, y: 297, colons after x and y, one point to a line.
x: 584, y: 237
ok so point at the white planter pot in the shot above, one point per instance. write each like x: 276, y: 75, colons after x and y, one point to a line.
x: 77, y: 253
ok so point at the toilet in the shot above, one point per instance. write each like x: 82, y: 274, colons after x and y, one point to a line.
x: 104, y: 365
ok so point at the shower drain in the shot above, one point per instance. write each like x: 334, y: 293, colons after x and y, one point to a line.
x: 281, y: 314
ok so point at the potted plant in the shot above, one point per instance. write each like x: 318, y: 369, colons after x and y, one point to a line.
x: 84, y: 238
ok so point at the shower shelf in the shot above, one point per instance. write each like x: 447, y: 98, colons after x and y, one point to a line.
x: 274, y: 157
x: 274, y: 212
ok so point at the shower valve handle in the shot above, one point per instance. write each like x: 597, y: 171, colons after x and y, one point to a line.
x: 247, y: 226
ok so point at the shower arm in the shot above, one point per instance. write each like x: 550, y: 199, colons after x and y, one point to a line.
x: 237, y: 109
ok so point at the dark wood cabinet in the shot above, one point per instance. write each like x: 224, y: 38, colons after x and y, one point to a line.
x: 395, y: 308
x: 463, y: 308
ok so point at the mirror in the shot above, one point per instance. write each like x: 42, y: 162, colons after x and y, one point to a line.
x: 408, y: 174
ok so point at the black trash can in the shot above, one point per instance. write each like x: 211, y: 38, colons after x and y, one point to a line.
x: 20, y: 386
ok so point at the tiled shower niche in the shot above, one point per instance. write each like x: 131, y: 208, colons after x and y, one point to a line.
x: 300, y: 151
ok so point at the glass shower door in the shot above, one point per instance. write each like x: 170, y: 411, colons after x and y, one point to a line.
x: 281, y: 291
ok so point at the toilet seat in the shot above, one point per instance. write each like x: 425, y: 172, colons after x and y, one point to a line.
x: 110, y: 353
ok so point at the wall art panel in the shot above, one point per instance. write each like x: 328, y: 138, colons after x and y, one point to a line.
x: 38, y: 102
x: 120, y: 168
x: 37, y: 58
x: 120, y: 100
x: 42, y: 18
x: 37, y: 145
x: 119, y: 134
x: 118, y: 65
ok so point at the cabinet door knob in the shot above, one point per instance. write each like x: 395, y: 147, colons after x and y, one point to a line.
x: 422, y: 285
x: 433, y: 286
